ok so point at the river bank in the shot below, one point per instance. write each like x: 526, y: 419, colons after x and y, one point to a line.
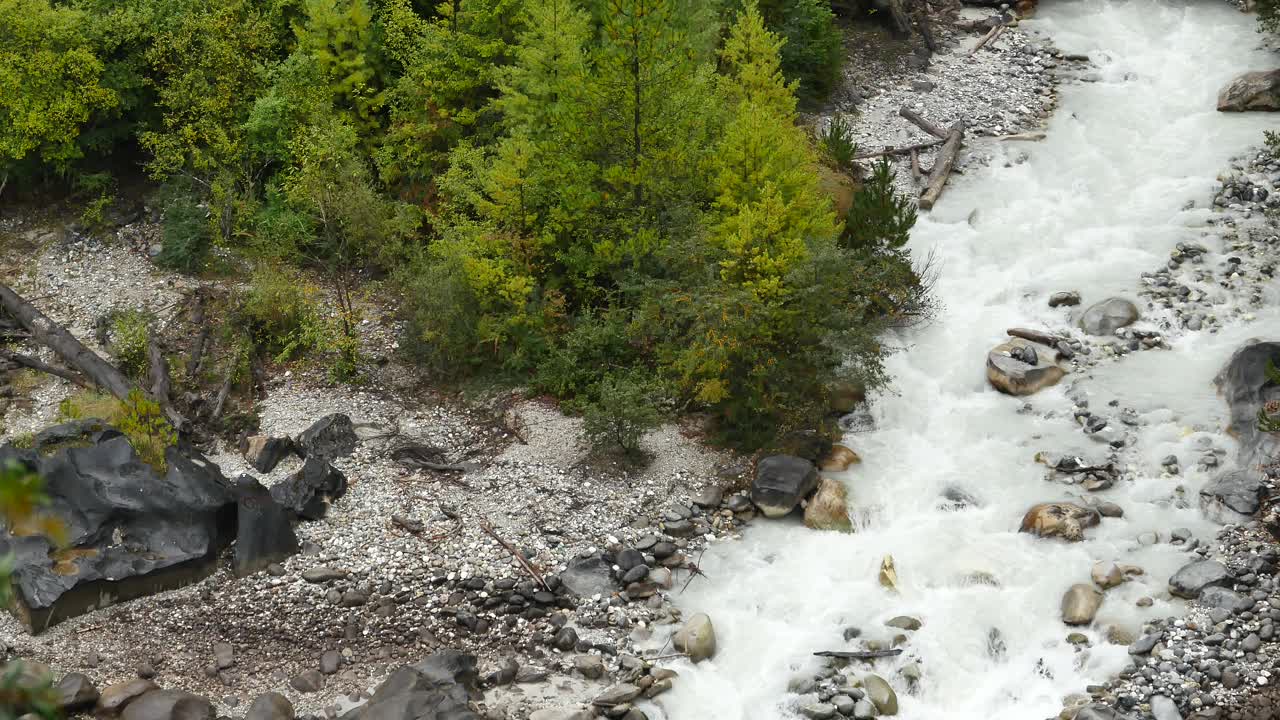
x: 1108, y: 196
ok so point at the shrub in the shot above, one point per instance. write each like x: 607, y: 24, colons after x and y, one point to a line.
x: 279, y: 313
x: 596, y: 343
x: 1269, y: 414
x: 140, y: 419
x: 838, y: 145
x: 880, y: 219
x: 623, y: 411
x: 814, y: 50
x: 185, y: 234
x: 129, y: 335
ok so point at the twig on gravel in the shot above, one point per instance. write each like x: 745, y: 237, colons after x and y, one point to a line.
x: 668, y: 657
x: 519, y: 556
x: 694, y: 571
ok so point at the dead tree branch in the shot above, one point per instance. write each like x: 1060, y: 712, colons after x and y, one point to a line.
x: 528, y: 568
x: 34, y: 364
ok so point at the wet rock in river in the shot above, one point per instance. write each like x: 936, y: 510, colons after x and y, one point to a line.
x: 1010, y: 370
x: 1107, y: 316
x: 697, y: 638
x: 1062, y: 520
x: 881, y: 694
x: 781, y: 482
x: 828, y: 509
x: 1065, y: 298
x: 838, y: 459
x: 1251, y: 91
x: 1234, y: 496
x: 1244, y: 384
x: 1080, y: 604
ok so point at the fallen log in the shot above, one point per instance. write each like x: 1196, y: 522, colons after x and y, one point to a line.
x: 921, y: 123
x: 1026, y: 136
x: 37, y: 365
x: 943, y: 165
x: 859, y: 655
x: 55, y: 337
x: 904, y: 150
x: 915, y: 166
x: 991, y: 35
x: 1034, y: 336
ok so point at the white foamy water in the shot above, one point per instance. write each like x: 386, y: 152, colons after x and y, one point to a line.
x: 1092, y: 207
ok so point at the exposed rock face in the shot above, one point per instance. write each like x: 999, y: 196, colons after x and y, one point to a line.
x: 781, y: 482
x: 1064, y: 520
x: 131, y: 532
x: 1233, y: 496
x: 1010, y: 372
x: 264, y: 452
x: 438, y: 688
x: 1080, y: 604
x: 1196, y: 576
x: 1244, y: 385
x: 1251, y: 91
x: 828, y: 509
x: 264, y: 533
x: 332, y: 436
x: 839, y: 459
x: 697, y: 638
x: 1107, y: 316
x: 308, y: 492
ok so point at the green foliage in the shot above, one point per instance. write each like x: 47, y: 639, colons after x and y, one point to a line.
x: 279, y: 312
x: 185, y: 234
x: 838, y: 145
x: 141, y: 420
x: 622, y: 413
x: 1272, y: 140
x: 51, y: 84
x: 129, y: 336
x: 26, y: 690
x: 879, y: 218
x: 1268, y: 15
x: 1269, y: 414
x: 812, y: 50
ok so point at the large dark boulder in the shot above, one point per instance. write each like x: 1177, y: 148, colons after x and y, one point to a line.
x: 1192, y: 578
x: 1251, y: 91
x: 438, y: 688
x: 308, y: 492
x: 781, y: 482
x: 332, y: 436
x: 1233, y: 496
x: 131, y: 532
x: 1244, y: 384
x: 264, y: 529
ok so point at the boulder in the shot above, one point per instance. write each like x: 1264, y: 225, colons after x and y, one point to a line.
x: 1062, y: 520
x: 264, y: 452
x: 1107, y: 575
x: 781, y: 482
x: 130, y: 531
x: 332, y: 436
x: 264, y: 533
x: 587, y: 576
x: 839, y: 459
x: 1080, y: 604
x: 1243, y: 383
x: 1009, y: 371
x: 1164, y: 708
x: 1099, y: 711
x: 270, y: 706
x: 828, y: 509
x: 1251, y: 91
x: 117, y: 696
x: 881, y: 694
x: 169, y: 705
x: 308, y: 492
x: 1194, y: 577
x: 697, y: 638
x: 1229, y: 600
x: 75, y: 692
x: 438, y: 688
x: 1067, y: 298
x: 1107, y: 316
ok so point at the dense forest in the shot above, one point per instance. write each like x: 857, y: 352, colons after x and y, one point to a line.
x: 612, y: 201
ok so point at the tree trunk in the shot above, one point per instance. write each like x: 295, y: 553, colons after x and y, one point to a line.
x: 943, y: 165
x: 921, y: 123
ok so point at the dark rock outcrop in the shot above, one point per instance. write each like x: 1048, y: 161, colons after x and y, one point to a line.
x: 308, y: 492
x: 264, y: 531
x: 781, y: 482
x: 1243, y: 383
x: 131, y: 532
x: 438, y: 688
x: 332, y: 436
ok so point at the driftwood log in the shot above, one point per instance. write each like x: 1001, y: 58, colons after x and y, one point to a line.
x: 50, y: 334
x: 904, y: 150
x: 921, y: 123
x: 859, y: 655
x: 943, y: 165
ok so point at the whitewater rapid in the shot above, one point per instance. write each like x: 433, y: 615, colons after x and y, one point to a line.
x: 1093, y: 206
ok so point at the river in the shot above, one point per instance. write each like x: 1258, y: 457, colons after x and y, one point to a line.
x: 1098, y: 202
